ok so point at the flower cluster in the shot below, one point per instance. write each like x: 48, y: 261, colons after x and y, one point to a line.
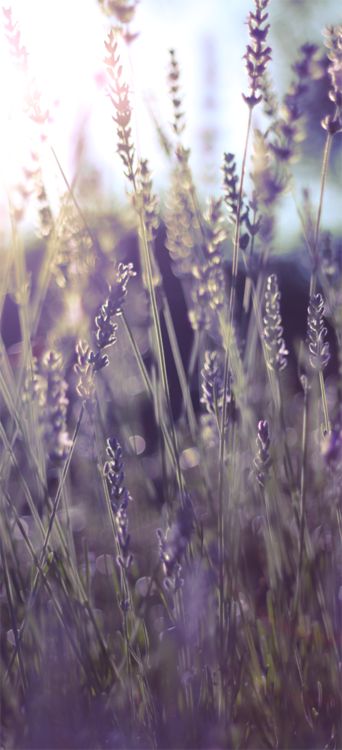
x: 35, y: 110
x: 119, y: 96
x: 208, y: 293
x: 13, y: 35
x: 331, y: 447
x: 273, y: 331
x: 105, y: 335
x: 333, y: 41
x: 147, y: 199
x: 88, y: 361
x: 123, y: 10
x: 330, y: 257
x: 288, y: 128
x: 106, y: 327
x: 216, y: 232
x: 194, y: 243
x: 268, y: 175
x: 318, y: 347
x: 54, y: 404
x: 172, y: 546
x: 118, y: 289
x: 270, y: 101
x: 85, y: 372
x: 212, y: 385
x: 119, y: 498
x: 181, y: 225
x: 258, y: 53
x: 45, y: 217
x: 73, y: 256
x: 178, y: 124
x: 182, y: 222
x: 230, y: 185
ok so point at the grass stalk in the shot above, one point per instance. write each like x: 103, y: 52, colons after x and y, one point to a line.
x: 12, y: 611
x: 324, y: 173
x: 327, y: 425
x: 42, y: 560
x: 235, y: 262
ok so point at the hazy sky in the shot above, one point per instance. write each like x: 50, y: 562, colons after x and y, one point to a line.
x: 65, y: 41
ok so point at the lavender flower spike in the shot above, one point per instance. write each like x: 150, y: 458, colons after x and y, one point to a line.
x: 258, y: 53
x: 262, y: 459
x: 119, y: 497
x: 273, y: 331
x: 318, y: 347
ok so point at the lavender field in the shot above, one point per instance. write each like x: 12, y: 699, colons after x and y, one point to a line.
x: 171, y: 378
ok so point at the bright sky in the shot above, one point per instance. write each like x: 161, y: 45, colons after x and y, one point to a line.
x: 65, y: 43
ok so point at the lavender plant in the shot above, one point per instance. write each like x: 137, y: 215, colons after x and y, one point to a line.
x: 205, y: 613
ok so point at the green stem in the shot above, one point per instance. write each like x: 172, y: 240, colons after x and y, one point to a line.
x: 160, y: 347
x: 52, y: 595
x: 327, y: 425
x: 42, y: 560
x: 13, y: 616
x: 324, y: 172
x: 301, y: 516
x: 235, y: 264
x: 180, y: 370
